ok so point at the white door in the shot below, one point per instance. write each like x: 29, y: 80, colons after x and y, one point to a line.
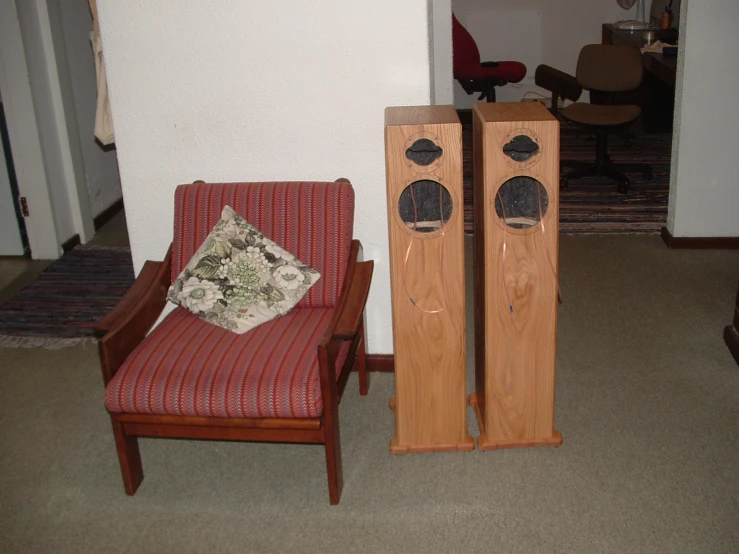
x: 10, y: 235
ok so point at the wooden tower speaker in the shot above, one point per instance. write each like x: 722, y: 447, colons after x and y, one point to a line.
x: 516, y: 206
x: 423, y: 157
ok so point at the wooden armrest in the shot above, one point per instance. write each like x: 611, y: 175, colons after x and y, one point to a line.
x: 351, y: 314
x: 344, y: 302
x: 133, y: 295
x: 126, y: 326
x: 344, y: 326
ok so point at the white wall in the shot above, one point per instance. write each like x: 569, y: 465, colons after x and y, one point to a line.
x: 440, y: 25
x: 234, y: 90
x: 704, y: 185
x: 100, y: 165
x: 566, y: 26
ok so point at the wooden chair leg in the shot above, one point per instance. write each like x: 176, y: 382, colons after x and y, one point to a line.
x: 362, y: 364
x: 129, y: 458
x: 333, y: 457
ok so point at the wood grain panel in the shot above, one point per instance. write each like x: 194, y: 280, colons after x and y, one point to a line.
x: 427, y: 283
x: 516, y: 291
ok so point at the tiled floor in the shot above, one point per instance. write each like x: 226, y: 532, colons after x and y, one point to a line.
x: 11, y: 268
x: 113, y: 233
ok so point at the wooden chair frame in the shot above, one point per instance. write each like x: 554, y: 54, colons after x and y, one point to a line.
x: 123, y: 329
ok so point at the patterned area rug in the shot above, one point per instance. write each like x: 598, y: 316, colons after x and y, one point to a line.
x: 592, y: 205
x: 73, y: 293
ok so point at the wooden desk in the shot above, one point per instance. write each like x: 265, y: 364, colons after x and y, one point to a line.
x: 662, y: 67
x: 656, y: 94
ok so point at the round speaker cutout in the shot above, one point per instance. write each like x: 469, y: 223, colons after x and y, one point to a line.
x: 521, y: 202
x: 425, y: 206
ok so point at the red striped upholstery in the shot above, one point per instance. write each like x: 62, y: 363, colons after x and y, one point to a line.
x: 313, y: 221
x: 188, y: 367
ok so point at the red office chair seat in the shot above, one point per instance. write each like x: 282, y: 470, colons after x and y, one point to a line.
x: 510, y: 72
x: 476, y: 76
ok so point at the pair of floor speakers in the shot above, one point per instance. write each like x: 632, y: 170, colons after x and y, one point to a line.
x: 516, y: 175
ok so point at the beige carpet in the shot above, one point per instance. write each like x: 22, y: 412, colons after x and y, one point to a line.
x: 647, y: 401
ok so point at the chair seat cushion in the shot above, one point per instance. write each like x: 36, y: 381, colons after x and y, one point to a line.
x: 188, y: 367
x: 601, y: 115
x: 511, y: 72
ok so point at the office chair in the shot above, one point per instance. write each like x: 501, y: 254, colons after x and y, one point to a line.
x: 605, y: 69
x: 474, y: 75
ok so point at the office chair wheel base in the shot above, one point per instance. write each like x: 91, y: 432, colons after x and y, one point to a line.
x: 645, y: 170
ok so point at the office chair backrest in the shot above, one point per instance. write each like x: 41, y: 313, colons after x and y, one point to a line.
x: 609, y: 67
x: 464, y: 49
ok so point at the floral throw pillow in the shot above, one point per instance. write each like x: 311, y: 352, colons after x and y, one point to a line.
x: 239, y: 279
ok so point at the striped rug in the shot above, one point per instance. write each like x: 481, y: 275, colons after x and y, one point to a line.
x: 73, y: 293
x: 592, y: 205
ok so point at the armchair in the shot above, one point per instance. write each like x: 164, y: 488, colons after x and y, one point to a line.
x: 279, y: 382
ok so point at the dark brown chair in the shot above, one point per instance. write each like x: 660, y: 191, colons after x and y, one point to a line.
x: 279, y: 382
x: 604, y: 69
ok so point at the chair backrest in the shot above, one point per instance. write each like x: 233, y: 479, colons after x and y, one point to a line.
x: 312, y: 220
x: 609, y: 67
x: 464, y: 48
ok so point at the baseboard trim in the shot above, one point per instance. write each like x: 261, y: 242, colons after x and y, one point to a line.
x: 381, y: 363
x: 101, y: 219
x: 71, y: 243
x: 699, y: 243
x: 108, y: 213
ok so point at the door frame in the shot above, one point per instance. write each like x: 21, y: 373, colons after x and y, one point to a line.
x: 37, y: 94
x: 13, y: 182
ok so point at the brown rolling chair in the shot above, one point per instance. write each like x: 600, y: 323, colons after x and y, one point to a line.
x: 605, y: 69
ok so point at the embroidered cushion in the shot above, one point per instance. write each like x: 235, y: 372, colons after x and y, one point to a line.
x: 239, y: 279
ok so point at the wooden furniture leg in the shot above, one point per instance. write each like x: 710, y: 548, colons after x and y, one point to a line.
x: 362, y: 364
x: 129, y: 457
